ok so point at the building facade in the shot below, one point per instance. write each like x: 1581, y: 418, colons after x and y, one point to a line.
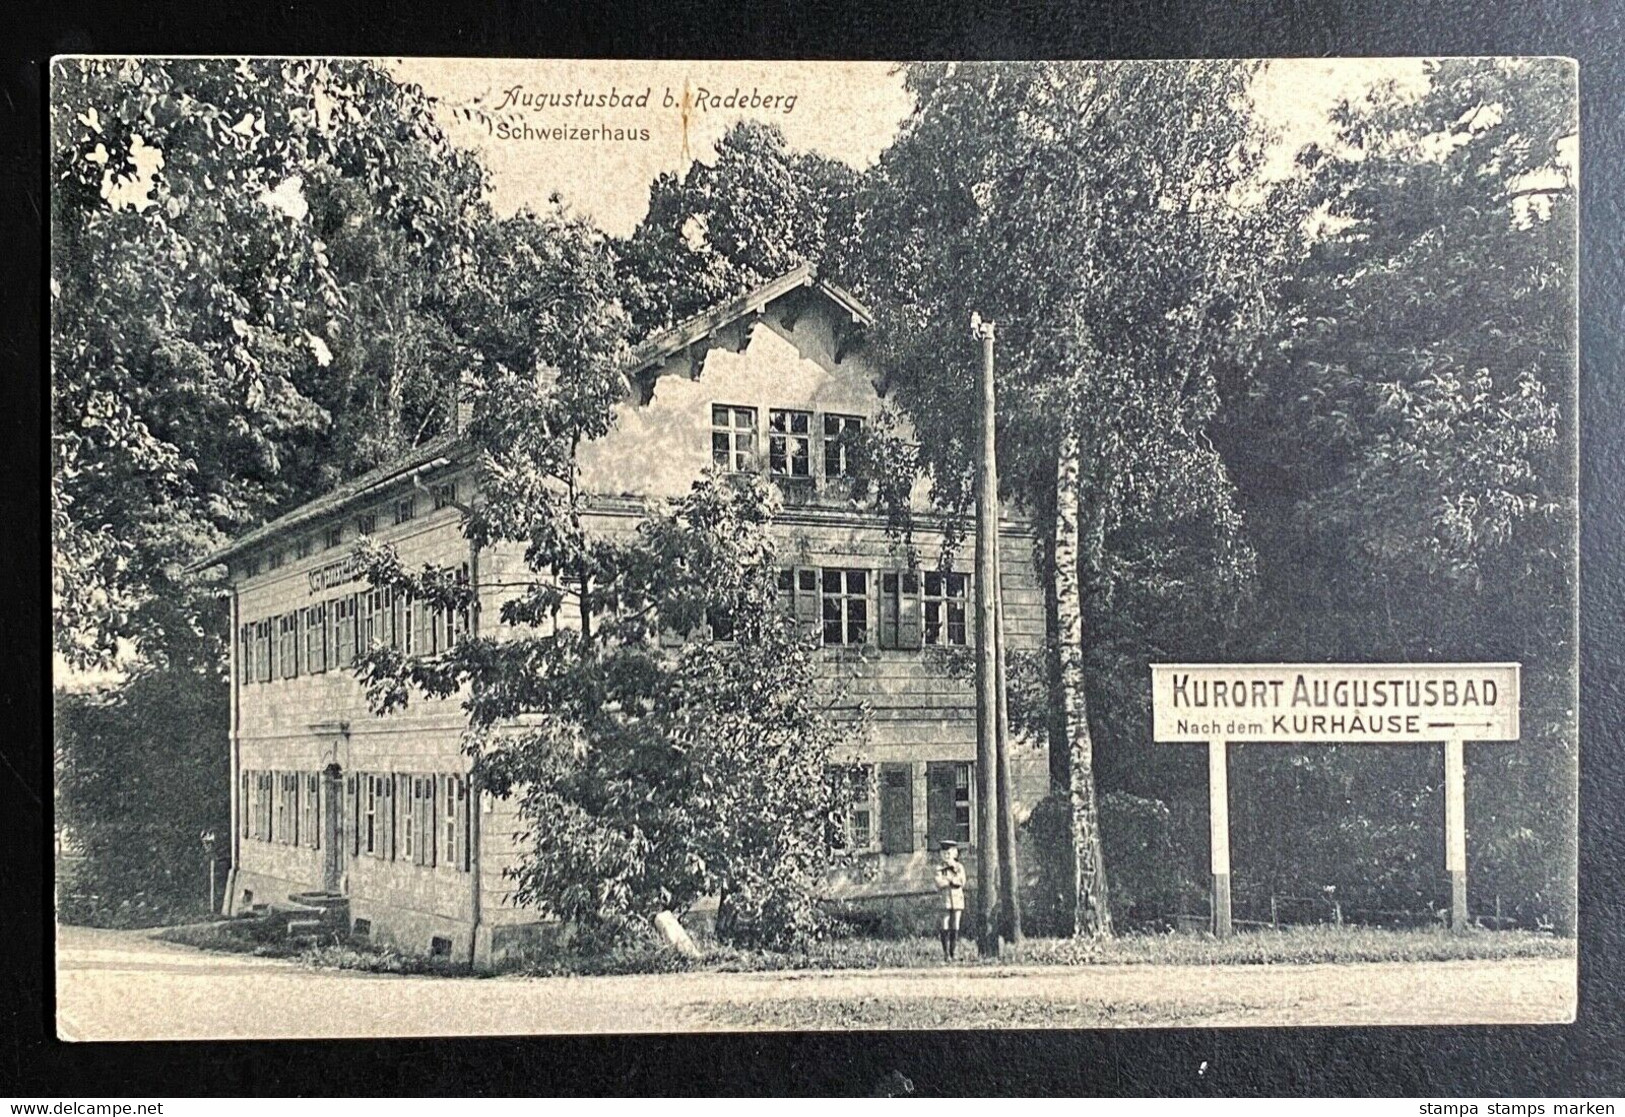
x: 329, y: 797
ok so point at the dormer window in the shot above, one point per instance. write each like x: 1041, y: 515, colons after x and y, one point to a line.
x: 366, y: 524
x: 789, y: 443
x: 840, y: 433
x: 332, y: 537
x: 733, y: 437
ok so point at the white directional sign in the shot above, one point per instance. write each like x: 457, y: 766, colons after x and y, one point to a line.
x: 1333, y: 702
x: 1377, y: 703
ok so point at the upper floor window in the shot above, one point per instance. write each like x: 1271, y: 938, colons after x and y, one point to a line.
x: 733, y: 437
x: 839, y: 433
x: 303, y: 549
x: 332, y: 537
x: 443, y: 495
x: 789, y: 443
x: 366, y: 523
x: 275, y: 561
x: 945, y: 599
x: 405, y: 509
x: 846, y: 606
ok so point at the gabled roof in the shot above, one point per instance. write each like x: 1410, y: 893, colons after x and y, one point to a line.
x: 446, y: 448
x: 663, y: 344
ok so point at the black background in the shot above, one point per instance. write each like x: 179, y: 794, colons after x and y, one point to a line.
x: 1577, y: 1061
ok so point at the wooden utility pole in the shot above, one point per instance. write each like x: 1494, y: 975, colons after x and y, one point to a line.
x: 1009, y: 881
x: 987, y: 704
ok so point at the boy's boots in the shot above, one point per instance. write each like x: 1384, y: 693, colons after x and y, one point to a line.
x: 953, y: 943
x: 947, y: 952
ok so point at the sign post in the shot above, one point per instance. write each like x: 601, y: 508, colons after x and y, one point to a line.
x: 1455, y: 830
x: 1218, y: 815
x: 1326, y: 703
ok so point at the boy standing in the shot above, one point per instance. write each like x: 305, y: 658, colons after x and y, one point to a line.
x: 951, y: 886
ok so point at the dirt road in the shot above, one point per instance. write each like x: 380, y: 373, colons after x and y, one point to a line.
x: 125, y: 985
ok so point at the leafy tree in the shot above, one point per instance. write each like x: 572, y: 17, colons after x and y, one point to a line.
x: 252, y: 264
x: 757, y: 211
x: 1404, y: 462
x: 649, y: 777
x: 140, y: 783
x: 247, y: 261
x: 1110, y: 220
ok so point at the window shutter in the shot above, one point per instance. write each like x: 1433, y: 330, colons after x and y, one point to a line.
x: 808, y: 603
x: 939, y: 801
x: 422, y: 629
x: 389, y: 807
x: 262, y: 651
x: 244, y: 805
x: 910, y: 628
x: 352, y: 812
x: 425, y: 809
x: 888, y: 626
x: 431, y: 828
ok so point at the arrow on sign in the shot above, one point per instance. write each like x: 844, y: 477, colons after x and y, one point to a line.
x: 1461, y: 724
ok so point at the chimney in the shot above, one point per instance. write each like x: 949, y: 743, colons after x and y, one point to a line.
x: 462, y: 407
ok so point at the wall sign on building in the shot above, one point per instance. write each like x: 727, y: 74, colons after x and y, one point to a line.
x: 1327, y: 703
x: 348, y: 569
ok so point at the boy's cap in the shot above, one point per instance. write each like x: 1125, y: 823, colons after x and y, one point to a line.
x: 947, y: 843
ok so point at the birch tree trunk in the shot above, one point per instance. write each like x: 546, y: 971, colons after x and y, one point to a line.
x: 1091, y: 914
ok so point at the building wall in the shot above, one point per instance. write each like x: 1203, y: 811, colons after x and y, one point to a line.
x: 306, y: 723
x: 920, y: 703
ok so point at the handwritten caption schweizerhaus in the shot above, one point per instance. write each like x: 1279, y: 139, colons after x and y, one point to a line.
x: 521, y: 113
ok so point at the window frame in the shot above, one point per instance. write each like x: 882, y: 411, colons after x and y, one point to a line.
x: 333, y: 537
x: 449, y: 820
x: 314, y: 620
x: 310, y: 808
x: 939, y: 633
x: 845, y: 600
x: 964, y: 832
x: 287, y: 650
x: 837, y: 444
x: 862, y: 797
x: 406, y: 510
x: 738, y: 452
x: 783, y: 440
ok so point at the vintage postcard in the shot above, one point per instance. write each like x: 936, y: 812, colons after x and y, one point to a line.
x: 619, y: 546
